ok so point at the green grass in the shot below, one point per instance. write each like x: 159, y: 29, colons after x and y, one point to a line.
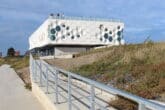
x: 139, y: 69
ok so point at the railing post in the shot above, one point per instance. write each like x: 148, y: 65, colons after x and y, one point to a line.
x: 40, y: 72
x: 92, y: 97
x: 56, y: 87
x: 34, y: 70
x: 47, y: 85
x: 141, y: 107
x: 69, y: 92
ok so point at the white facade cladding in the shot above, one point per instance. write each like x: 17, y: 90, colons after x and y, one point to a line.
x: 77, y: 32
x: 58, y: 30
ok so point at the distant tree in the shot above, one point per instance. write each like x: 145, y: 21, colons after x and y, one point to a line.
x: 10, y: 52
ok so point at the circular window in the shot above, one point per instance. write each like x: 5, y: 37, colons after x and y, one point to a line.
x: 72, y: 37
x: 67, y: 28
x: 105, y: 35
x: 52, y: 37
x: 106, y: 29
x: 52, y: 31
x: 58, y: 28
x: 110, y: 39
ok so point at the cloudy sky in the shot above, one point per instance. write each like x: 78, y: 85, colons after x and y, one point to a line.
x: 19, y: 18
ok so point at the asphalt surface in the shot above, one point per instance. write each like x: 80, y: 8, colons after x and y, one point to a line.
x: 13, y: 95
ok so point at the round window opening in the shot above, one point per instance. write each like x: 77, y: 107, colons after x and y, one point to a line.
x: 78, y: 35
x: 118, y: 27
x: 52, y: 37
x: 119, y: 39
x: 110, y: 39
x: 110, y: 32
x: 119, y: 33
x: 67, y: 28
x: 52, y: 31
x: 63, y: 25
x: 63, y: 37
x: 58, y: 28
x: 105, y: 35
x: 101, y: 39
x: 72, y: 37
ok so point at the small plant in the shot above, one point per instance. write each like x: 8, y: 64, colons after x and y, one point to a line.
x: 28, y: 86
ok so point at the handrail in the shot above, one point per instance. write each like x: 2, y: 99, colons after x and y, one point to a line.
x: 115, y: 91
x: 85, y: 19
x: 143, y: 103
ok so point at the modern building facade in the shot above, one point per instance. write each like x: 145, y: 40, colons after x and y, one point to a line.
x: 60, y: 35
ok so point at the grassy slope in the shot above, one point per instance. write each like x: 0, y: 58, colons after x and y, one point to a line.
x: 15, y: 62
x: 139, y: 69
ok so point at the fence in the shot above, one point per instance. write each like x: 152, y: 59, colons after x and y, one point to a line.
x: 71, y: 88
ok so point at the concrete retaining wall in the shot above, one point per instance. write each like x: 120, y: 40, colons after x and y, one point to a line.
x: 43, y: 98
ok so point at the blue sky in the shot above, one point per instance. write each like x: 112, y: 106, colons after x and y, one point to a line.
x: 19, y: 18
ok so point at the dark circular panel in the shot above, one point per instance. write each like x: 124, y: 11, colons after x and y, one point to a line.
x: 63, y: 25
x: 105, y: 35
x: 110, y: 38
x: 67, y: 28
x: 68, y: 34
x: 119, y: 39
x: 118, y: 27
x: 101, y: 39
x: 101, y: 26
x: 78, y: 35
x: 72, y: 37
x: 52, y: 37
x: 110, y: 32
x: 52, y: 31
x: 58, y: 28
x: 106, y: 29
x: 119, y: 33
x: 63, y: 37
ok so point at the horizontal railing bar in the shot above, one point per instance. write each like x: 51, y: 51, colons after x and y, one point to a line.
x: 113, y: 90
x: 108, y: 89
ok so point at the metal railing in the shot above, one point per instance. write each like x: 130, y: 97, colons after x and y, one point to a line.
x: 85, y: 19
x: 61, y: 81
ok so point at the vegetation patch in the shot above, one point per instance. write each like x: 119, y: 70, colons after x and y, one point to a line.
x: 138, y: 69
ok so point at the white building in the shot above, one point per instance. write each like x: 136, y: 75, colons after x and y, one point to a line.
x: 60, y: 35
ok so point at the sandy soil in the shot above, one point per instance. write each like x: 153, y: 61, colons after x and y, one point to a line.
x: 68, y: 64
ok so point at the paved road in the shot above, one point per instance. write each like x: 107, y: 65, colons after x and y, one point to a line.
x: 13, y: 95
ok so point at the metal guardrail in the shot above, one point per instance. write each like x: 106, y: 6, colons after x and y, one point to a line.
x: 85, y: 19
x: 42, y: 71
